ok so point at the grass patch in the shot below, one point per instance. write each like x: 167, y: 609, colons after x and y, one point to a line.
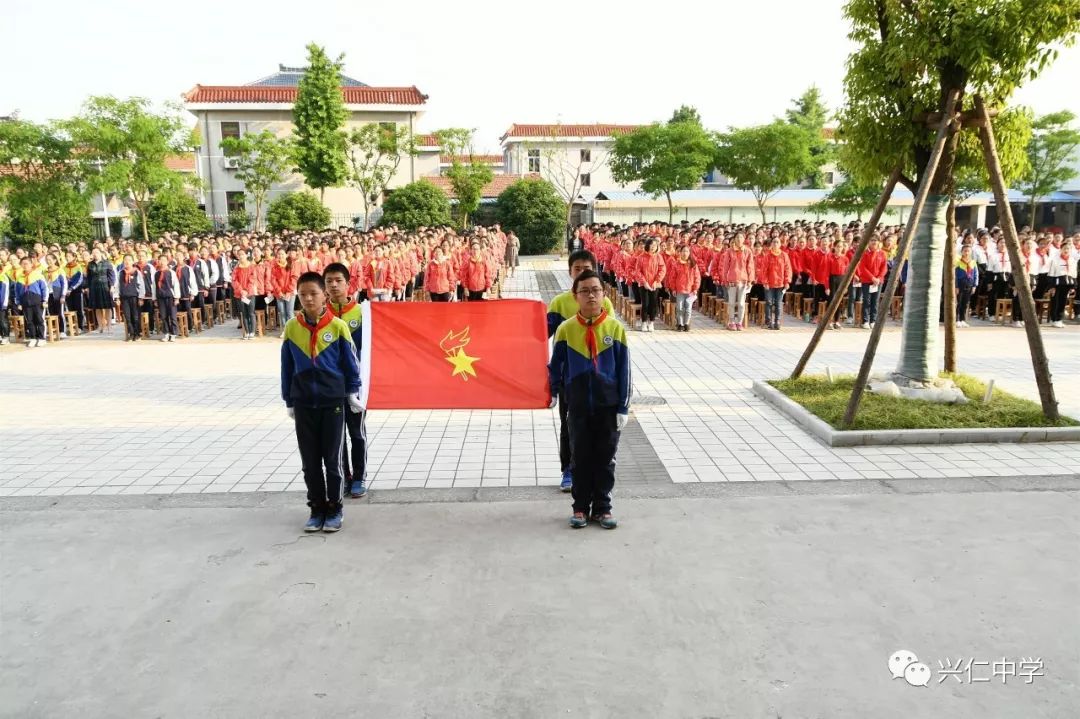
x: 829, y: 400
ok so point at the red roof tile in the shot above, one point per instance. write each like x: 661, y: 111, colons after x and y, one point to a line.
x: 594, y: 130
x: 492, y: 189
x: 272, y: 94
x: 466, y: 159
x: 181, y: 163
x: 427, y: 141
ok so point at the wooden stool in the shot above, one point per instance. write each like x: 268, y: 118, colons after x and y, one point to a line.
x: 669, y: 313
x: 981, y: 303
x: 722, y: 315
x: 182, y: 324
x: 633, y: 314
x: 757, y: 311
x: 271, y: 316
x: 144, y: 323
x: 807, y: 308
x: 208, y: 316
x: 90, y: 318
x: 708, y: 303
x: 1042, y: 310
x: 71, y: 324
x: 52, y: 328
x: 791, y: 301
x: 1003, y: 311
x: 196, y: 320
x: 896, y: 310
x: 857, y: 319
x: 220, y: 312
x: 18, y: 327
x: 821, y: 307
x: 260, y: 322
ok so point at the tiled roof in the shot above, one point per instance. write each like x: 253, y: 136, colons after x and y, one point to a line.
x: 181, y: 163
x: 290, y: 76
x: 594, y: 130
x: 466, y: 159
x: 275, y: 94
x: 427, y: 141
x: 492, y: 189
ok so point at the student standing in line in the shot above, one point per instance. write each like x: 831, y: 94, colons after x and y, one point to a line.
x: 564, y: 306
x: 76, y: 277
x: 5, y: 300
x: 651, y: 269
x: 243, y: 283
x: 341, y: 305
x: 167, y: 292
x: 320, y: 381
x: 775, y: 275
x: 30, y: 291
x: 101, y: 277
x: 56, y: 279
x: 132, y: 289
x: 967, y: 279
x: 684, y: 279
x: 590, y: 365
x: 1061, y: 278
x: 439, y: 277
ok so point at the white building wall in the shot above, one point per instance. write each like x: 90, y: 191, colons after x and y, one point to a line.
x: 559, y: 160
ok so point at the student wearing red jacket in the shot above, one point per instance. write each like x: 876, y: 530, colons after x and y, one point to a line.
x: 775, y: 274
x: 475, y: 275
x: 817, y: 262
x: 282, y: 287
x: 439, y: 277
x: 650, y: 270
x: 378, y: 276
x: 736, y: 272
x: 244, y: 287
x: 871, y: 273
x: 836, y: 263
x: 684, y: 280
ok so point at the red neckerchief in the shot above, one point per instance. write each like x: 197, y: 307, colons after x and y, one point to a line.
x: 590, y: 336
x: 343, y: 310
x: 128, y: 273
x: 161, y: 278
x: 326, y: 318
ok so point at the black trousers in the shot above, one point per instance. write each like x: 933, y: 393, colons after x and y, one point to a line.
x: 474, y: 295
x: 56, y: 309
x: 963, y: 303
x: 148, y: 308
x: 1060, y: 298
x: 5, y: 327
x: 167, y: 310
x: 566, y: 459
x: 75, y: 304
x: 595, y: 439
x: 649, y: 304
x: 320, y: 435
x: 130, y: 307
x: 33, y: 316
x: 356, y: 425
x: 185, y: 307
x: 440, y: 296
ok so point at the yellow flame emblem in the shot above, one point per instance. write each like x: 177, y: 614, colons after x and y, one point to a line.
x: 453, y: 346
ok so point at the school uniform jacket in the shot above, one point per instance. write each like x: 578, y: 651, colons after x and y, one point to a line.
x: 682, y: 278
x: 167, y: 285
x: 563, y: 306
x: 350, y: 314
x: 651, y: 270
x: 439, y: 277
x: 133, y: 285
x: 592, y: 374
x: 5, y: 290
x: 33, y: 283
x: 319, y: 367
x: 75, y: 276
x: 476, y: 274
x: 189, y: 285
x: 58, y: 286
x: 775, y: 270
x: 872, y: 267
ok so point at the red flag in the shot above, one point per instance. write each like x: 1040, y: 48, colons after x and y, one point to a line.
x: 455, y: 355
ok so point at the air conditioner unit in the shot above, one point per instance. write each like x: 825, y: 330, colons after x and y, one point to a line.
x: 230, y: 163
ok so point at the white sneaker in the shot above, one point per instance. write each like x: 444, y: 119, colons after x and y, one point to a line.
x: 63, y: 335
x: 165, y: 338
x: 1018, y: 324
x: 1059, y: 324
x: 42, y: 342
x: 961, y: 324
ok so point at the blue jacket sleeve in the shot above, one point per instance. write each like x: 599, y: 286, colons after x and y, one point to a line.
x: 350, y: 365
x: 287, y: 370
x: 557, y: 368
x: 554, y: 319
x: 622, y: 369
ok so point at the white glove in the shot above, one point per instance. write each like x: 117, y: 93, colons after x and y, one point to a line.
x: 291, y: 412
x: 554, y: 401
x: 355, y: 405
x: 621, y: 420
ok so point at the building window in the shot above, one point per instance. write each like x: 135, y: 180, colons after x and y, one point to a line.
x: 586, y: 179
x: 828, y: 178
x: 586, y: 155
x: 234, y: 202
x: 230, y: 129
x: 534, y: 161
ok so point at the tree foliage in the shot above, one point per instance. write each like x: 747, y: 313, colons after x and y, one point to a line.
x: 685, y: 113
x: 663, y: 158
x: 173, y: 211
x: 319, y: 115
x: 467, y: 178
x: 809, y: 113
x: 375, y: 153
x: 765, y: 158
x: 418, y: 204
x: 39, y: 185
x: 534, y: 211
x: 263, y: 160
x: 297, y: 211
x: 1049, y: 153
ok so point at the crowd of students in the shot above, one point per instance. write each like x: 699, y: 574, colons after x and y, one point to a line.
x: 176, y: 274
x: 649, y: 262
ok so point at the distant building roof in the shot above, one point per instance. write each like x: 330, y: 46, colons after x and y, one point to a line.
x: 181, y: 163
x: 275, y: 94
x: 560, y: 130
x: 290, y: 76
x: 491, y: 190
x: 466, y: 159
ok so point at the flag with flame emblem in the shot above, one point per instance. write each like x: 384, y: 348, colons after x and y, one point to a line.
x: 455, y: 355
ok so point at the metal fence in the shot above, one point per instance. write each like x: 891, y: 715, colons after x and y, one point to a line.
x: 338, y: 219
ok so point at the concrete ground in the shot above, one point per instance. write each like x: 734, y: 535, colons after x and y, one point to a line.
x: 722, y: 600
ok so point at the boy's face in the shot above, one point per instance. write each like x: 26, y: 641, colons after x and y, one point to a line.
x: 337, y: 287
x: 312, y: 298
x: 578, y: 267
x: 590, y: 296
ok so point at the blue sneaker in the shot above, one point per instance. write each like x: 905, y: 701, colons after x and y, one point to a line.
x: 578, y: 520
x: 333, y: 520
x: 315, y: 524
x: 567, y: 482
x: 358, y: 488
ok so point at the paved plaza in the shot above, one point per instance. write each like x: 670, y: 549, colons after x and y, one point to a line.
x: 203, y: 415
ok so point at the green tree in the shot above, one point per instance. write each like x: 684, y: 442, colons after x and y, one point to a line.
x: 663, y: 158
x: 39, y: 184
x: 909, y: 59
x: 319, y: 114
x: 297, y: 211
x: 809, y: 113
x: 173, y: 211
x: 849, y: 198
x: 685, y: 113
x: 123, y: 145
x: 467, y: 178
x: 764, y: 159
x: 1049, y: 152
x: 239, y: 221
x: 534, y: 211
x: 263, y: 160
x: 418, y: 204
x: 375, y: 153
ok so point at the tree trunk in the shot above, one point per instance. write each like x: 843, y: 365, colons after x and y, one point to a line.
x: 670, y: 209
x: 322, y: 193
x: 761, y: 209
x: 367, y: 214
x: 258, y: 213
x: 922, y: 295
x: 948, y: 284
x: 142, y: 216
x: 1031, y: 213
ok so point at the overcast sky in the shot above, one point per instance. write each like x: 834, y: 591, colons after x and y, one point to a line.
x: 484, y: 64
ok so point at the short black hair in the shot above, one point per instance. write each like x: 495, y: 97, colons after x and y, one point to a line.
x: 336, y: 267
x: 586, y: 275
x: 579, y: 256
x: 311, y: 277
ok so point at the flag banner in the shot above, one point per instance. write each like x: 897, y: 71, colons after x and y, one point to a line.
x: 491, y: 354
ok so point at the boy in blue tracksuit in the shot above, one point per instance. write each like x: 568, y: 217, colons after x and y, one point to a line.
x: 320, y: 381
x: 5, y: 300
x: 590, y: 366
x: 30, y: 293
